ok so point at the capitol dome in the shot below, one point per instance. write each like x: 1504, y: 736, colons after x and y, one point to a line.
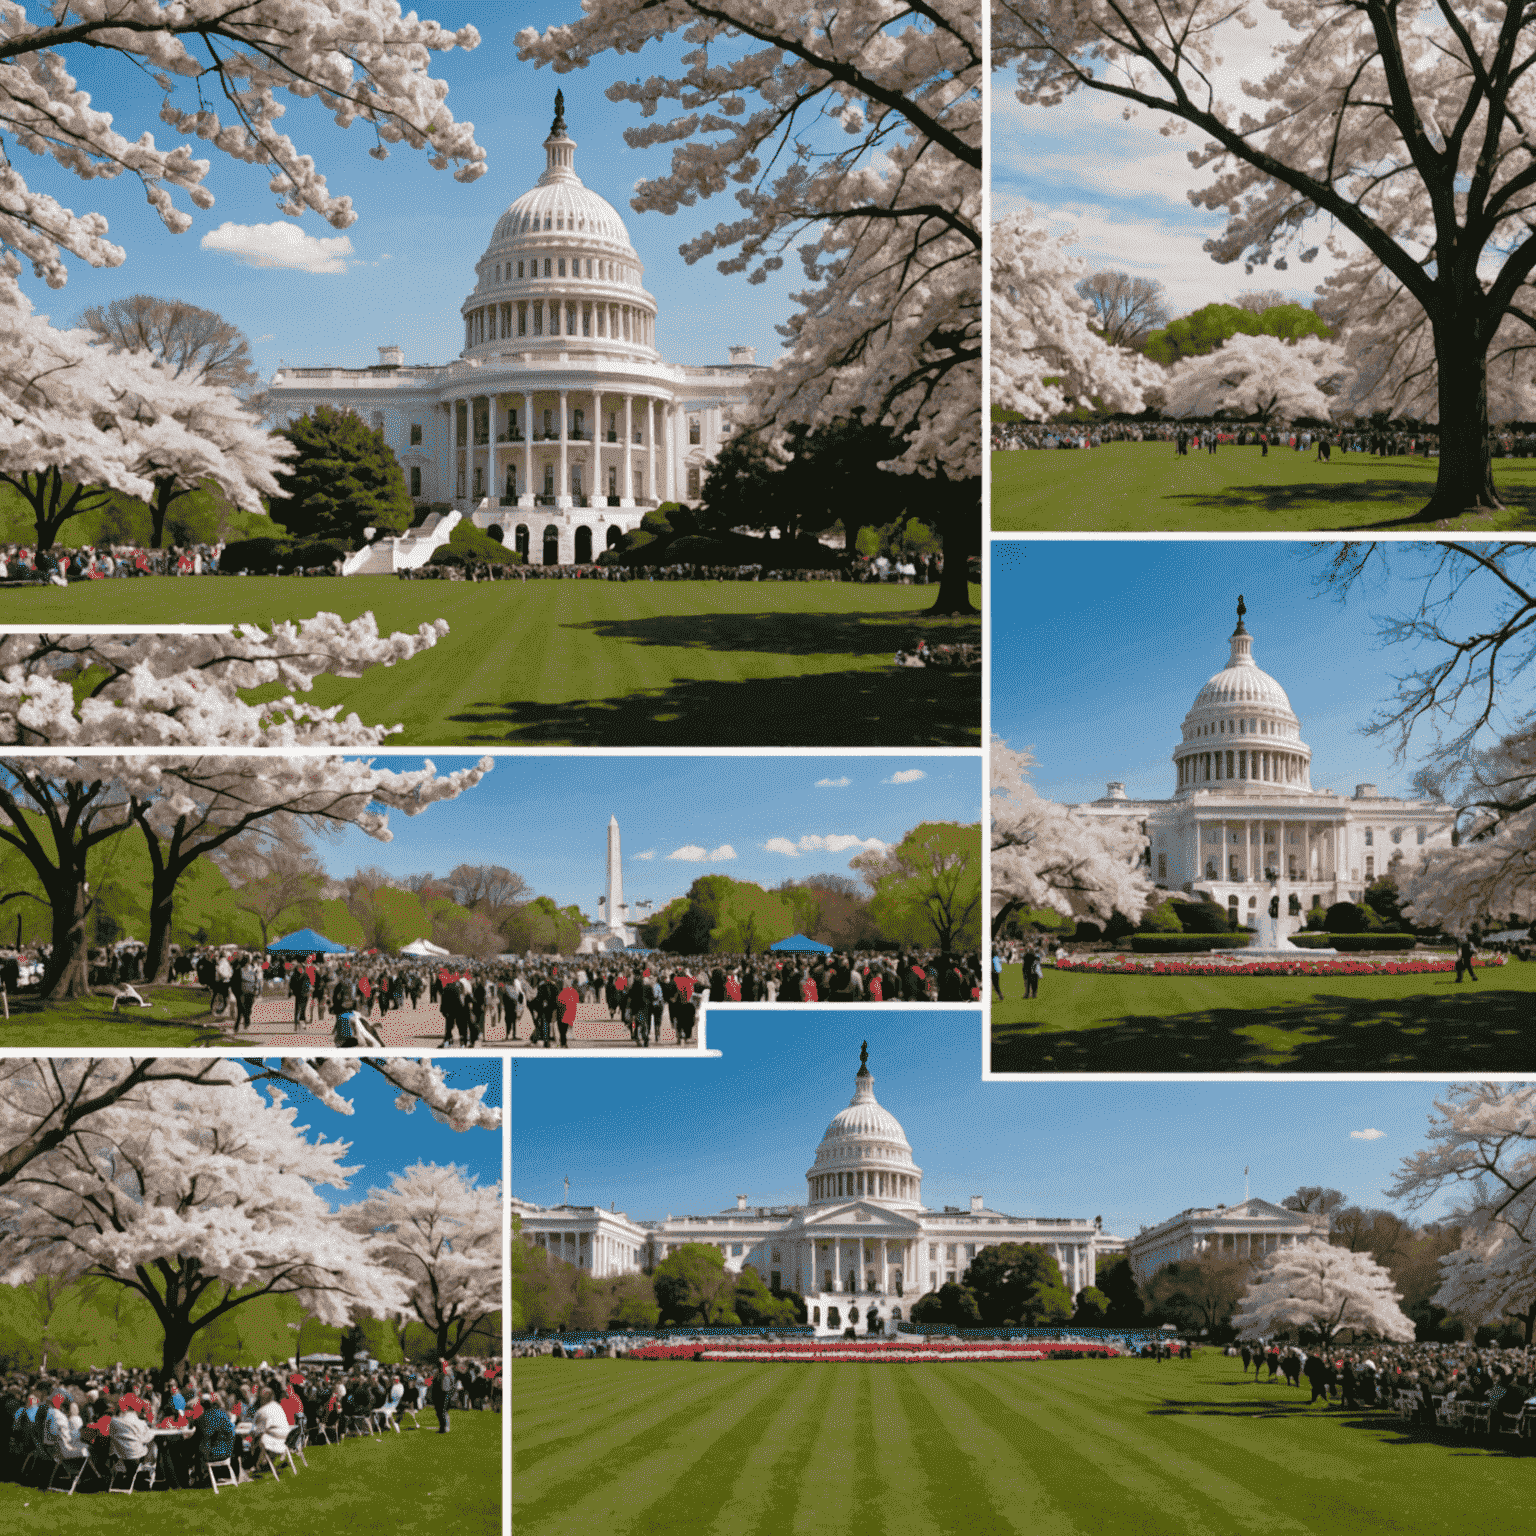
x: 864, y: 1153
x: 560, y: 272
x: 1241, y: 734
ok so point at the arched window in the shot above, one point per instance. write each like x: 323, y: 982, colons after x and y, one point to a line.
x: 816, y: 1316
x: 834, y: 1320
x: 583, y: 546
x: 551, y: 545
x: 416, y: 480
x: 495, y: 532
x: 614, y: 536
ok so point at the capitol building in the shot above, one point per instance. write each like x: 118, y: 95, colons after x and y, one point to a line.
x: 560, y: 423
x: 860, y: 1249
x: 1245, y: 818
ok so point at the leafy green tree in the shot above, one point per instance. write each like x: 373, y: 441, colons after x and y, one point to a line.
x: 1163, y: 918
x: 1349, y: 917
x: 757, y: 1306
x: 1116, y: 1281
x: 1205, y: 329
x: 951, y: 1303
x: 1384, y: 899
x: 1197, y: 1293
x: 1092, y: 1309
x: 692, y: 1285
x: 345, y: 478
x: 1018, y: 1283
x: 927, y: 889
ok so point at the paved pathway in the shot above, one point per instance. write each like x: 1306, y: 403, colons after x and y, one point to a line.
x: 272, y: 1028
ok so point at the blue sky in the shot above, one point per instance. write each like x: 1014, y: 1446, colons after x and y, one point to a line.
x: 1099, y: 648
x: 685, y: 1137
x: 1123, y: 185
x: 385, y: 1141
x: 419, y: 232
x: 547, y: 818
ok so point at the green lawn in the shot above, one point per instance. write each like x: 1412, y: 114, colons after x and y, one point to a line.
x: 1072, y: 1448
x: 1083, y: 1023
x: 416, y: 1483
x: 178, y: 1021
x: 1146, y: 488
x: 597, y: 663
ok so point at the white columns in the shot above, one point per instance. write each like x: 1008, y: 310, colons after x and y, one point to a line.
x: 598, y: 488
x: 669, y: 448
x: 453, y: 450
x: 563, y: 490
x: 526, y: 499
x: 627, y: 490
x: 653, y: 487
x: 837, y: 1264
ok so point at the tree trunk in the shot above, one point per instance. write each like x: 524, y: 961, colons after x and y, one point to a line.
x: 960, y: 526
x: 166, y: 492
x: 173, y: 1352
x: 1465, y: 479
x: 157, y: 957
x: 67, y: 975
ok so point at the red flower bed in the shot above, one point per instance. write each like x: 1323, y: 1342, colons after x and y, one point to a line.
x: 1127, y: 965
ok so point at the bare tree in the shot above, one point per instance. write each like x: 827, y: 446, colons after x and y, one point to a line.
x: 1128, y: 307
x: 275, y: 872
x: 194, y: 343
x: 1313, y: 1197
x: 1257, y: 300
x: 489, y: 888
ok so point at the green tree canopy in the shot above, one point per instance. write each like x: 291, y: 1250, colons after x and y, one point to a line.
x: 1206, y: 328
x: 1018, y: 1283
x: 692, y: 1285
x: 952, y: 1304
x: 345, y: 478
x: 1197, y: 1293
x: 927, y: 889
x: 1116, y: 1281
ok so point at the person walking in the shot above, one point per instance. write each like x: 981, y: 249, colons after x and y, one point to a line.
x: 299, y: 985
x: 568, y: 1001
x: 443, y: 1385
x: 1464, y: 957
x: 997, y: 976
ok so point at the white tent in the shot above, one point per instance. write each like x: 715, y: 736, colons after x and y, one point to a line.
x: 422, y: 949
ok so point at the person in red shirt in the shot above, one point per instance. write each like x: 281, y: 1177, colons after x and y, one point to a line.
x: 569, y: 1001
x: 292, y: 1406
x: 733, y: 988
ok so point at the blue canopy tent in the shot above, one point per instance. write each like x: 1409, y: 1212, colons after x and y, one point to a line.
x: 307, y: 942
x: 798, y: 944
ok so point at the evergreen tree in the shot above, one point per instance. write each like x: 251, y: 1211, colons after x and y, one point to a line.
x: 344, y: 479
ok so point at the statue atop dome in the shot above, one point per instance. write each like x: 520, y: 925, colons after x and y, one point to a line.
x: 1241, y: 610
x: 557, y: 128
x: 864, y: 1059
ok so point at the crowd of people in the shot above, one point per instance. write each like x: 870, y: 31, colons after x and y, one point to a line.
x: 100, y: 1429
x: 20, y: 562
x: 1442, y: 1381
x: 904, y: 570
x: 1380, y: 442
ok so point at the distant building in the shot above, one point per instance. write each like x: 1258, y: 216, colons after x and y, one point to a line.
x: 860, y: 1249
x: 560, y: 423
x: 1251, y: 1230
x: 1245, y: 819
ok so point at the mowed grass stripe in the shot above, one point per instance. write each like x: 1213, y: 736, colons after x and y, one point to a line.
x: 1183, y: 1491
x: 690, y: 1400
x: 632, y: 1482
x: 548, y: 1413
x: 960, y: 1496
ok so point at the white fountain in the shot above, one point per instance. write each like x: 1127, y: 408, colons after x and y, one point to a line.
x: 1272, y: 942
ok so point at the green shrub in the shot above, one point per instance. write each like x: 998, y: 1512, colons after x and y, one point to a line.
x: 1316, y: 918
x: 479, y: 545
x: 1186, y: 943
x: 1353, y: 943
x: 1203, y: 917
x: 1347, y: 917
x: 261, y: 557
x: 1163, y: 918
x: 1087, y: 933
x: 307, y: 556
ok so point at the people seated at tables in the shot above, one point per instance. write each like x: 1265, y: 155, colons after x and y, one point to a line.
x: 270, y: 1425
x: 215, y: 1439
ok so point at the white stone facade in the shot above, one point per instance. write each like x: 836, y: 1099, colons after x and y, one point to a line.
x: 1247, y: 1231
x: 862, y: 1247
x: 560, y: 423
x: 1245, y: 821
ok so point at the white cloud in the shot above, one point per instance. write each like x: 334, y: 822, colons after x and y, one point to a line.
x: 812, y: 842
x: 650, y: 853
x: 841, y: 783
x: 270, y: 336
x: 1366, y: 1135
x: 906, y: 776
x: 691, y: 853
x: 279, y: 245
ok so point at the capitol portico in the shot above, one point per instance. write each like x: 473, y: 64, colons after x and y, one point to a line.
x: 560, y: 423
x: 1245, y: 817
x: 860, y: 1249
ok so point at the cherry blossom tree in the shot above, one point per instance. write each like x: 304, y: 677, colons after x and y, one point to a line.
x: 200, y: 1202
x: 865, y: 145
x: 1258, y: 377
x: 442, y: 1233
x: 1325, y: 1289
x: 44, y: 1101
x: 1482, y: 1149
x: 159, y: 691
x: 361, y: 59
x: 79, y: 421
x: 1047, y: 355
x: 1050, y: 855
x: 1394, y: 134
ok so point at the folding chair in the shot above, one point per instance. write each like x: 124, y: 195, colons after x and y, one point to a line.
x: 228, y: 1464
x: 295, y: 1447
x: 386, y: 1416
x: 415, y: 1422
x: 1477, y: 1421
x: 119, y: 1465
x: 82, y: 1464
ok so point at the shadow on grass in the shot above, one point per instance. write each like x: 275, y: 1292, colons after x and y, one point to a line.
x: 787, y: 634
x: 91, y: 1021
x: 1389, y: 1428
x: 895, y: 707
x: 1486, y: 1030
x: 1263, y: 500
